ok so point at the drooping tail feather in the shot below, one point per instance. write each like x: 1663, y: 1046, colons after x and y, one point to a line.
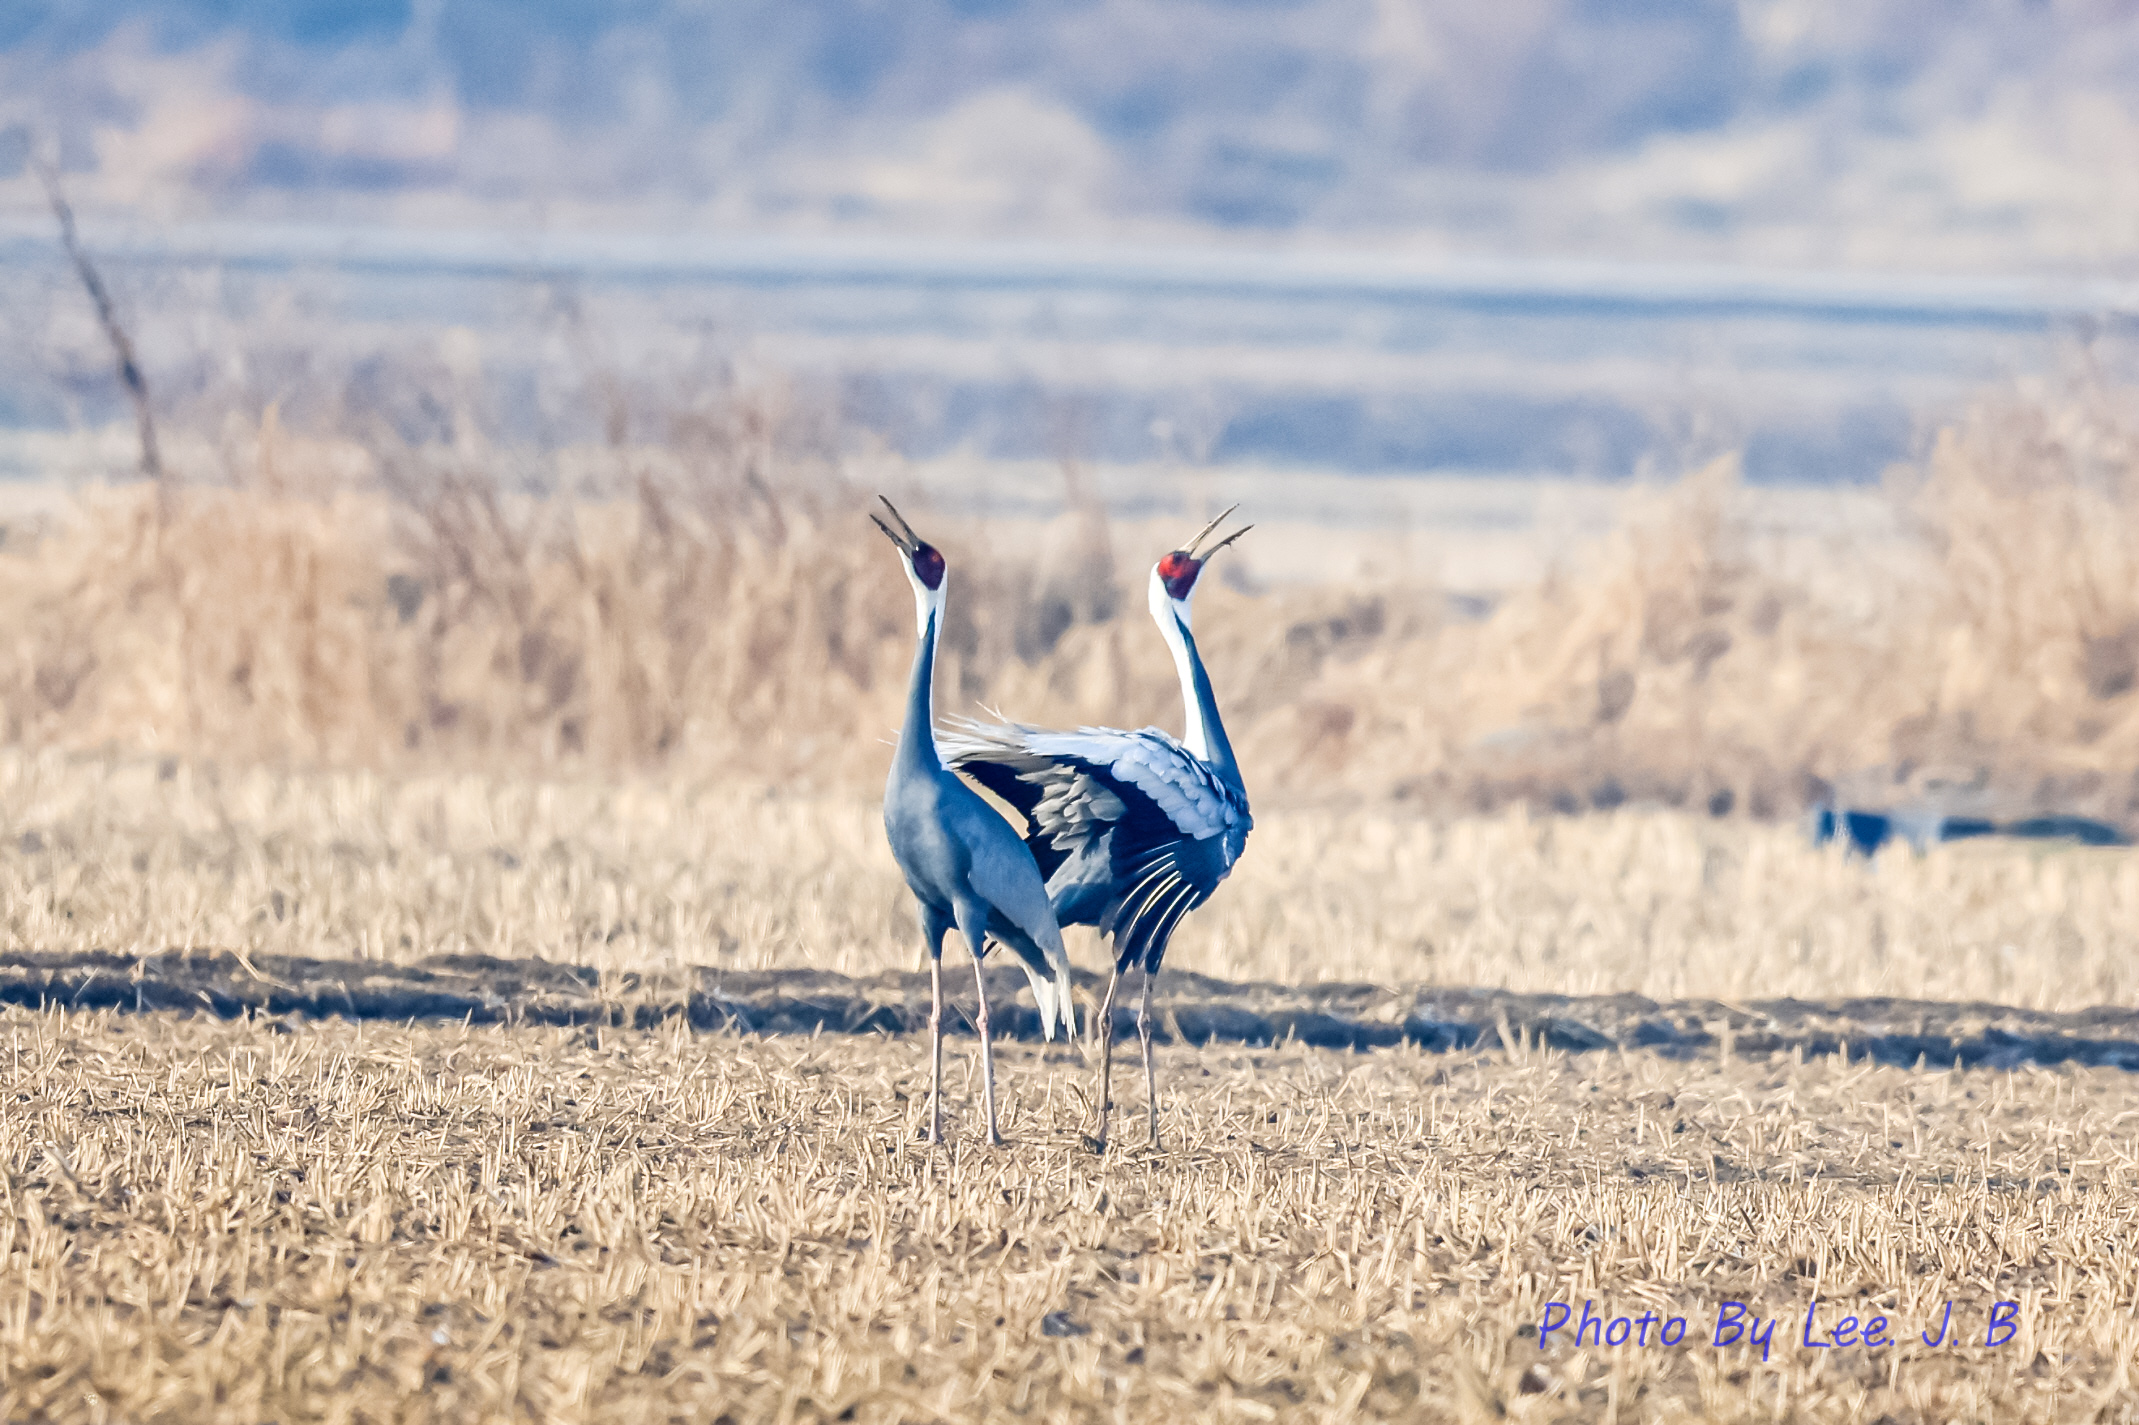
x: 1053, y: 998
x: 1065, y: 1001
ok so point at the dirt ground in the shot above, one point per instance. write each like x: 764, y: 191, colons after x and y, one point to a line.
x: 1190, y: 1008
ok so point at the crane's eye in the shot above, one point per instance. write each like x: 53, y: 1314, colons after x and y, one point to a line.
x: 1178, y: 571
x: 928, y: 566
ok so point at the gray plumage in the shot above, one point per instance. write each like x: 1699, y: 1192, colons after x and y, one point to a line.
x: 963, y: 862
x: 1133, y: 830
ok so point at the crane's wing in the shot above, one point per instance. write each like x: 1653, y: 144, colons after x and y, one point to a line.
x: 1163, y: 881
x: 1065, y: 804
x: 1174, y: 828
x: 1003, y: 875
x: 1071, y: 784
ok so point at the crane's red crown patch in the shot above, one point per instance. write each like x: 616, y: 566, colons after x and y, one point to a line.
x: 928, y: 566
x: 1178, y: 571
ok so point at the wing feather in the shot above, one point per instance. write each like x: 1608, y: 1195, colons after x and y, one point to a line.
x: 1078, y: 772
x: 1004, y: 876
x: 1140, y: 802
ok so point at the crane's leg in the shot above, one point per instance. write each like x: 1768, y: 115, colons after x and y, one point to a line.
x: 1151, y: 1075
x: 935, y: 1050
x: 987, y: 1052
x: 973, y: 921
x: 1104, y: 1026
x: 933, y: 927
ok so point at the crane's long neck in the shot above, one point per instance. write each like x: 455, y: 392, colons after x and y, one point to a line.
x: 917, y: 738
x: 1206, y: 731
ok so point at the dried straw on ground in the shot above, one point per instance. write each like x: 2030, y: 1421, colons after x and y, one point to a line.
x: 210, y: 1221
x: 294, y: 1221
x: 143, y: 854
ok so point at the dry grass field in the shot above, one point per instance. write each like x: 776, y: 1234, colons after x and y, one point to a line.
x: 637, y: 873
x: 243, y: 1222
x: 293, y: 1220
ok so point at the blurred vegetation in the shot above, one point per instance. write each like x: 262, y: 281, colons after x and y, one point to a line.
x: 710, y: 601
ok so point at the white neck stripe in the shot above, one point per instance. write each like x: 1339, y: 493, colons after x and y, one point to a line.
x: 1172, y: 617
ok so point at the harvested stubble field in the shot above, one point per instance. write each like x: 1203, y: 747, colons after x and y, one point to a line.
x: 212, y: 1220
x: 638, y: 874
x: 287, y: 1218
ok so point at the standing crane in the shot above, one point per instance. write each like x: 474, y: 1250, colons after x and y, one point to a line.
x: 1133, y: 830
x: 962, y: 860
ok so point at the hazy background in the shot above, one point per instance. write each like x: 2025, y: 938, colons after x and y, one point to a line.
x: 1546, y: 238
x: 522, y: 367
x: 1950, y: 135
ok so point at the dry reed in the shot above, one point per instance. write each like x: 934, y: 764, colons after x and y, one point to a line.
x: 716, y: 607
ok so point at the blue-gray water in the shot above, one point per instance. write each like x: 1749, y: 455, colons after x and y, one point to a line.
x: 1359, y: 362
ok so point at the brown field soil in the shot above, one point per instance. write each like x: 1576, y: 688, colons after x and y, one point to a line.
x: 332, y: 1220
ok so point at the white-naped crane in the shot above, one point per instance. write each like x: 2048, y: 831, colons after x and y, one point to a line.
x: 962, y: 860
x: 1133, y: 830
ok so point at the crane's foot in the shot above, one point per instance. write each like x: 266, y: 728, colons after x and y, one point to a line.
x: 1095, y: 1145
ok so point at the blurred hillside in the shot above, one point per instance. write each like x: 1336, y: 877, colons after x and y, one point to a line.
x: 1983, y: 134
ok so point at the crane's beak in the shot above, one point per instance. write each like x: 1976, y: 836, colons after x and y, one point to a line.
x: 904, y: 536
x: 1203, y: 556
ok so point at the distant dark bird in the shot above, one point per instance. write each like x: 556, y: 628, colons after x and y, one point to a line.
x: 1864, y: 832
x: 1133, y: 830
x: 962, y: 860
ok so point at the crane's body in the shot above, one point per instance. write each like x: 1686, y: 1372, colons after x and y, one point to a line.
x: 1133, y: 830
x: 963, y: 862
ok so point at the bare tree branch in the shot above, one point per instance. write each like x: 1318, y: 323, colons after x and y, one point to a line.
x: 122, y: 345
